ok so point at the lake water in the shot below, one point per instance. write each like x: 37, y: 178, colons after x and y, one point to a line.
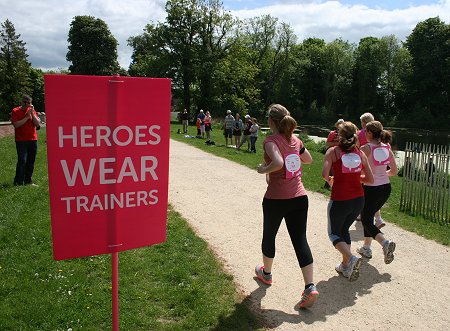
x: 400, y: 135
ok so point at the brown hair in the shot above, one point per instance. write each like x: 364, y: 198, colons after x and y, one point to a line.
x: 347, y: 136
x: 282, y: 119
x: 378, y: 133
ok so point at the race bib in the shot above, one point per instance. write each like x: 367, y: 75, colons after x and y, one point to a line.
x: 380, y: 155
x: 351, y: 163
x: 293, y: 165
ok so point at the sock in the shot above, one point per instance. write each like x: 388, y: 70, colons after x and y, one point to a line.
x: 266, y: 273
x: 307, y: 286
x: 385, y: 242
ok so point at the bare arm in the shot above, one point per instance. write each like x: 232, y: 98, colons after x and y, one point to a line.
x: 393, y: 170
x: 327, y: 163
x: 366, y: 173
x: 306, y: 157
x: 276, y: 158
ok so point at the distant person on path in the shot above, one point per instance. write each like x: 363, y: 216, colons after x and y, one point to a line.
x: 246, y: 134
x: 365, y: 118
x: 25, y: 122
x: 237, y: 130
x: 208, y: 127
x: 254, y: 129
x: 185, y: 120
x: 228, y: 127
x: 198, y: 125
x: 201, y: 116
x: 286, y: 198
x: 350, y: 168
x: 332, y: 139
x: 376, y: 194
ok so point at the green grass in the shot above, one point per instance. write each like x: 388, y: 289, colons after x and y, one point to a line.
x: 177, y: 285
x: 312, y: 179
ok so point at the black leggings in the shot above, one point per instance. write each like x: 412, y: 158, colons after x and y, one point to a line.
x: 375, y: 198
x: 295, y: 213
x: 341, y: 215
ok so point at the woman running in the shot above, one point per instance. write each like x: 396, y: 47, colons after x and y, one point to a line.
x: 350, y: 169
x: 380, y: 155
x: 285, y: 198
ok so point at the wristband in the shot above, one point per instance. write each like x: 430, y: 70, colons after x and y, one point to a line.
x: 302, y: 150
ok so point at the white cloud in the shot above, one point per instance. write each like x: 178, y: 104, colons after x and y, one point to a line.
x: 331, y: 19
x: 44, y: 24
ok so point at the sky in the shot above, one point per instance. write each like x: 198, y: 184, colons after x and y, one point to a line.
x: 44, y: 25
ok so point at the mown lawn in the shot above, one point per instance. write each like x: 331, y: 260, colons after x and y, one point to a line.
x: 177, y: 285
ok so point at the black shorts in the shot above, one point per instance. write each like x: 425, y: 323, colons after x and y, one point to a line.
x: 237, y: 133
x: 208, y: 127
x: 228, y: 133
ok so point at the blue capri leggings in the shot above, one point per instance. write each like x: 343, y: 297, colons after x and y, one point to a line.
x: 341, y: 215
x: 295, y: 213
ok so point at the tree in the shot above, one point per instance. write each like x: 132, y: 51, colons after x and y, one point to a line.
x: 14, y: 69
x: 92, y: 47
x: 367, y: 72
x: 429, y: 46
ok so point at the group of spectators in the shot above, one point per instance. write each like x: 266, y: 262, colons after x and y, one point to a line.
x: 236, y: 131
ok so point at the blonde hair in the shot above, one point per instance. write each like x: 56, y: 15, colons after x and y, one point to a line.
x: 366, y: 118
x: 282, y: 119
x: 378, y: 133
x: 348, y: 137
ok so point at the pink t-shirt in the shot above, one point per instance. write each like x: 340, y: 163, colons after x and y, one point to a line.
x: 280, y: 186
x: 378, y: 155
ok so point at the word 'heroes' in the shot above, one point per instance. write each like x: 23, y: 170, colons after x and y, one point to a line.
x: 89, y: 136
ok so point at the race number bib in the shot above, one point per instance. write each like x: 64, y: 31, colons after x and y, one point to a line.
x: 351, y: 163
x: 380, y: 155
x: 293, y: 165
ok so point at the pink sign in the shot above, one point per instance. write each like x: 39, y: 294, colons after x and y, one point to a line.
x: 108, y: 162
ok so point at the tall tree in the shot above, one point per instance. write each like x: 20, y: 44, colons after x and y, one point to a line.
x: 215, y: 42
x: 14, y: 69
x: 429, y: 46
x: 92, y: 47
x: 367, y: 71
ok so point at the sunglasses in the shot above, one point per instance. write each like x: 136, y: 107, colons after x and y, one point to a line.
x: 27, y: 102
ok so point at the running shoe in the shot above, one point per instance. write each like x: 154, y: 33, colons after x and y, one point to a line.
x: 366, y: 252
x: 352, y: 271
x: 266, y: 279
x: 388, y: 251
x: 309, y: 297
x: 379, y: 223
x: 339, y: 268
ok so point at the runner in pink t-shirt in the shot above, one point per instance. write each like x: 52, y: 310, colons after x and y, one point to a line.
x: 285, y: 198
x: 376, y: 194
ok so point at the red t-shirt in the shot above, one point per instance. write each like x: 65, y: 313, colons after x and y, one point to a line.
x: 332, y: 136
x: 27, y: 131
x: 279, y: 186
x: 346, y: 186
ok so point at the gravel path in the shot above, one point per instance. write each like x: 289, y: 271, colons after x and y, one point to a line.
x: 222, y: 202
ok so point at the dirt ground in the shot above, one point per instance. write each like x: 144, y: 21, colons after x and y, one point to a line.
x: 222, y: 202
x: 6, y: 130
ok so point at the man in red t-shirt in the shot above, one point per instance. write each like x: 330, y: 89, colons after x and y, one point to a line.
x: 25, y: 122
